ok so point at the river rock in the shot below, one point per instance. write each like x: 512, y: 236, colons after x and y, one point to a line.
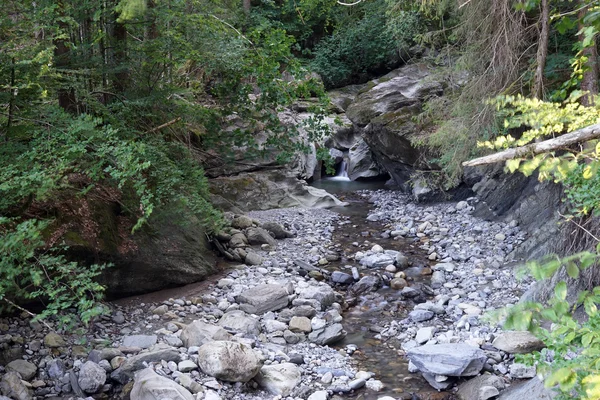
x: 276, y: 230
x: 239, y: 321
x: 257, y: 236
x: 327, y: 335
x: 242, y: 222
x: 91, y: 377
x: 398, y: 283
x: 324, y: 294
x: 421, y: 315
x: 377, y: 260
x: 368, y: 283
x: 341, y: 278
x: 522, y: 371
x: 263, y: 298
x: 518, y: 342
x: 532, y: 389
x: 319, y: 395
x: 199, y: 332
x: 156, y: 353
x: 482, y: 387
x: 56, y: 369
x: 12, y: 386
x: 229, y: 361
x: 438, y: 278
x: 253, y: 258
x: 279, y: 379
x: 452, y: 359
x: 300, y: 324
x: 53, y: 339
x: 238, y: 240
x: 26, y: 369
x: 425, y: 334
x: 151, y: 386
x: 141, y: 341
x: 439, y: 382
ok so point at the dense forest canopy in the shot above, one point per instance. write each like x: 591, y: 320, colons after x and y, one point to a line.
x: 122, y: 100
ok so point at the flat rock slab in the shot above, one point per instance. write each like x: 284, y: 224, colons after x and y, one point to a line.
x: 26, y: 369
x: 157, y: 353
x: 263, y: 298
x: 452, y: 359
x: 239, y: 321
x: 518, y: 342
x: 533, y: 389
x: 141, y: 341
x: 327, y: 335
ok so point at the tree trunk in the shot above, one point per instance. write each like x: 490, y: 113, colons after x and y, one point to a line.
x: 121, y: 77
x: 246, y: 4
x: 66, y: 94
x: 589, y: 83
x: 542, y: 51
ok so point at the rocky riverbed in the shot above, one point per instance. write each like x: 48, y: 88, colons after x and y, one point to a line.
x: 411, y: 283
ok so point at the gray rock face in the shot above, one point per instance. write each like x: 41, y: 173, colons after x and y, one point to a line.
x: 455, y: 359
x: 518, y: 342
x: 12, y: 386
x: 132, y: 364
x: 481, y: 388
x: 262, y: 298
x: 361, y: 163
x: 327, y: 335
x: 385, y: 115
x: 91, y: 377
x: 26, y: 369
x: 265, y: 190
x: 258, y: 236
x: 531, y: 390
x: 239, y: 321
x: 141, y: 341
x: 199, y: 332
x: 279, y: 379
x: 151, y: 386
x: 229, y: 361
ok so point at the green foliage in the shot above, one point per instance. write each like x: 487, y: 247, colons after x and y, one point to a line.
x: 361, y: 47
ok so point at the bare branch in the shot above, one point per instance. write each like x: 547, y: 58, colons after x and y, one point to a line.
x: 580, y: 135
x: 166, y: 124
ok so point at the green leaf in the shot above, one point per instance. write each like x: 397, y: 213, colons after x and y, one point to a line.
x: 572, y: 270
x: 560, y: 290
x: 513, y: 165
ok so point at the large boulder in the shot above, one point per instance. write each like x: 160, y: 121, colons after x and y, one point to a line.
x: 157, y: 353
x: 26, y: 369
x: 279, y: 379
x: 229, y: 361
x: 518, y: 342
x: 324, y: 294
x: 151, y: 386
x: 532, y: 389
x: 199, y: 332
x: 91, y: 377
x: 239, y: 321
x: 482, y: 387
x: 264, y: 190
x: 258, y: 236
x: 263, y: 298
x: 362, y: 164
x: 327, y: 335
x: 13, y: 387
x: 384, y: 111
x: 452, y: 359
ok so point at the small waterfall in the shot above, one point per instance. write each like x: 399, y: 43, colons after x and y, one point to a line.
x: 342, y: 172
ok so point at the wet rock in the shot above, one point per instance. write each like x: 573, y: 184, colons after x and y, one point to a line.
x: 258, y: 236
x: 53, y: 339
x: 279, y: 379
x: 518, y: 342
x: 366, y: 284
x: 482, y: 387
x: 91, y: 377
x: 253, y: 258
x: 199, y: 332
x: 421, y: 315
x: 141, y: 341
x: 12, y: 386
x: 263, y: 298
x: 378, y: 260
x: 328, y: 335
x: 239, y: 321
x: 151, y: 386
x: 341, y: 278
x: 26, y: 369
x: 229, y: 361
x: 132, y: 364
x: 453, y: 359
x: 532, y: 389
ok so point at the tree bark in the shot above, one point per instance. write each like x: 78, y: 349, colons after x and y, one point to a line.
x: 578, y: 136
x: 542, y: 51
x: 589, y: 83
x: 247, y: 5
x: 121, y: 76
x: 66, y: 94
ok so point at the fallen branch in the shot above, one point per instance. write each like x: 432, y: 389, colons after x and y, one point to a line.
x: 578, y: 136
x: 158, y: 128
